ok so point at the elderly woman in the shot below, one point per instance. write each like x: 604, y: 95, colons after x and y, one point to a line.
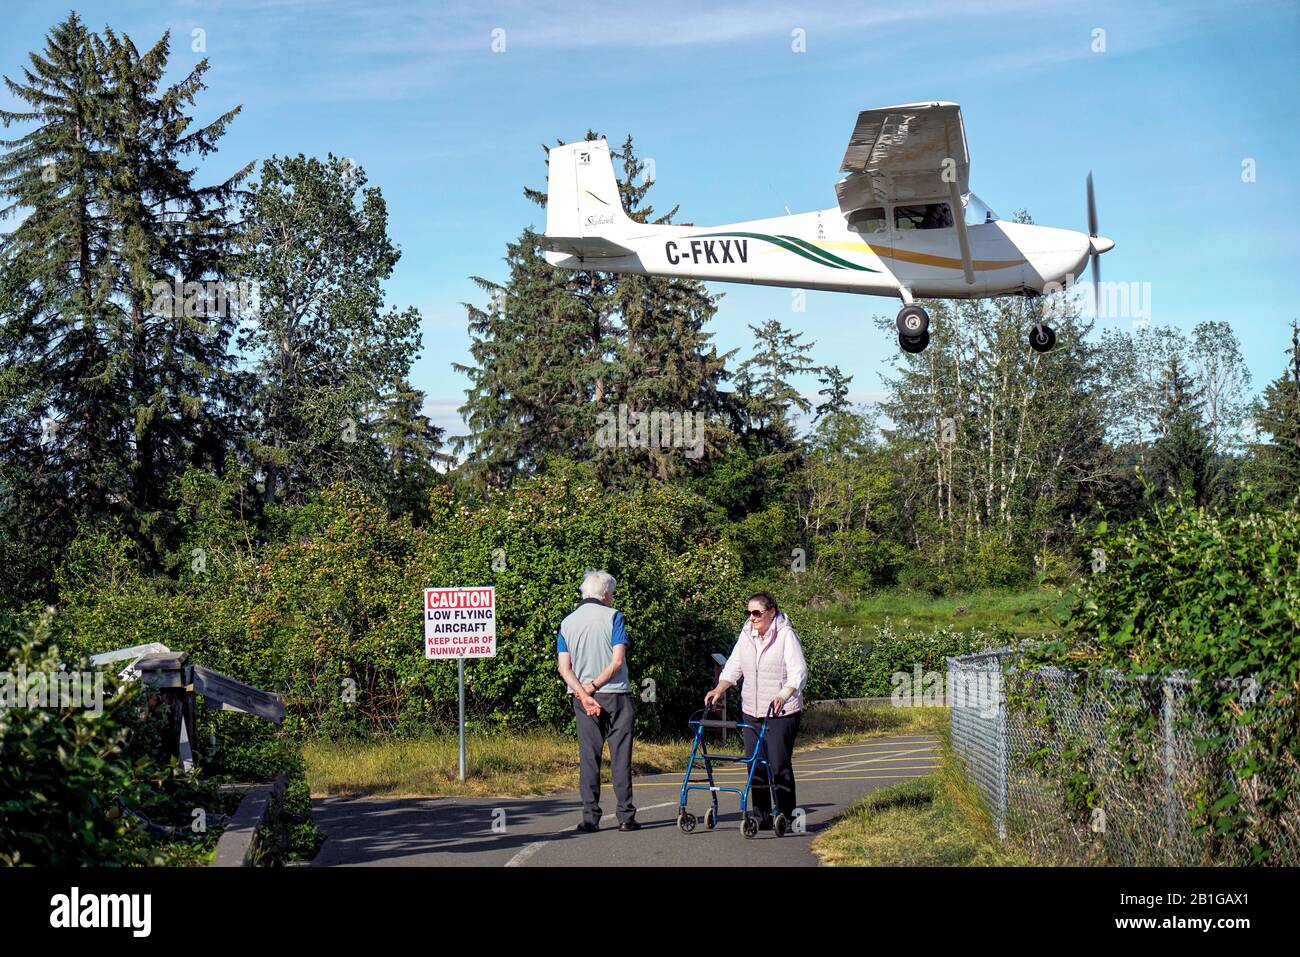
x: 770, y: 659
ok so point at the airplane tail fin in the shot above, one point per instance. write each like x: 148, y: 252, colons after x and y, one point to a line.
x: 584, y: 210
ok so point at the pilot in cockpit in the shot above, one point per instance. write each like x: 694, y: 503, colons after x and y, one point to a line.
x: 937, y: 216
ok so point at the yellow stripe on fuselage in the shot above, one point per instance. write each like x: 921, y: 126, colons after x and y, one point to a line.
x: 922, y: 259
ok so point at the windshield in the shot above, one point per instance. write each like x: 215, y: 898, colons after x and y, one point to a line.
x: 977, y: 211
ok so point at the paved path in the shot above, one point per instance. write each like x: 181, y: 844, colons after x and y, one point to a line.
x: 399, y: 832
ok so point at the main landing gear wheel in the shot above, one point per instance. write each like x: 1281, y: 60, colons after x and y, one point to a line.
x: 749, y: 827
x: 1042, y: 337
x: 686, y: 821
x: 913, y: 321
x: 914, y: 344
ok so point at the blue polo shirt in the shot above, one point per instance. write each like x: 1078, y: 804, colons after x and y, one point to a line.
x: 589, y: 635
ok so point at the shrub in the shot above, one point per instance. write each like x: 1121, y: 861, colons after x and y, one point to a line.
x: 986, y: 560
x: 1214, y: 598
x: 65, y: 771
x: 848, y: 663
x: 336, y: 604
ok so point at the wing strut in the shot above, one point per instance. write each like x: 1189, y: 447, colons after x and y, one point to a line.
x: 959, y: 220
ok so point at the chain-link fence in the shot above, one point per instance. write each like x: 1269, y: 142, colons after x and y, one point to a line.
x: 1108, y: 768
x: 979, y: 725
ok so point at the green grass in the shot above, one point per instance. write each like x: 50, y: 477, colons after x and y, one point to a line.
x: 934, y: 821
x: 1023, y: 612
x: 540, y: 762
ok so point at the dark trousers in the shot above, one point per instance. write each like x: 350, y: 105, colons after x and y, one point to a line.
x: 779, y: 742
x: 614, y: 724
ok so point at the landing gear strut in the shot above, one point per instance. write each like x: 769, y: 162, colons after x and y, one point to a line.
x: 913, y: 324
x: 1042, y: 337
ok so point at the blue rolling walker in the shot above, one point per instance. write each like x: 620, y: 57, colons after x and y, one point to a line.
x: 700, y: 754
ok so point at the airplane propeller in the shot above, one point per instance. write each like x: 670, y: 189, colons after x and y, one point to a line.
x: 1094, y: 258
x: 1096, y: 245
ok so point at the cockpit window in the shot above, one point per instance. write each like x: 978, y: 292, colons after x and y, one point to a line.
x: 869, y: 219
x: 977, y: 211
x: 923, y: 216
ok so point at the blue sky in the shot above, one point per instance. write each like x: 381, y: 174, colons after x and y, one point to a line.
x: 740, y: 126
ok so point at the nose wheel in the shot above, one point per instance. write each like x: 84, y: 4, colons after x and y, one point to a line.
x: 913, y: 324
x: 1042, y: 337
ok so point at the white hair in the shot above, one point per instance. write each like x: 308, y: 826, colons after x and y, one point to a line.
x: 597, y: 584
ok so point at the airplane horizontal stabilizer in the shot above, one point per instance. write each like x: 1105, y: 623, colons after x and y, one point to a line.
x: 585, y: 247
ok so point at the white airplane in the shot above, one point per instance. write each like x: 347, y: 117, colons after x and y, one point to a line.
x: 892, y: 234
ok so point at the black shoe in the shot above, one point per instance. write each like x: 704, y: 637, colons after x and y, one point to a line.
x: 766, y: 823
x: 586, y: 827
x: 631, y: 825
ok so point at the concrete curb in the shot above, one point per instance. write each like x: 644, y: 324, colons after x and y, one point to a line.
x: 238, y: 845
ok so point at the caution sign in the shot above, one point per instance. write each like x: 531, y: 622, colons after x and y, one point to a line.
x: 460, y: 623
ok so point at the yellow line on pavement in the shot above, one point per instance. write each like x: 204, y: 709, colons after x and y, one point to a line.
x: 831, y: 759
x: 811, y: 762
x: 725, y: 777
x: 859, y: 777
x: 858, y: 764
x: 844, y: 775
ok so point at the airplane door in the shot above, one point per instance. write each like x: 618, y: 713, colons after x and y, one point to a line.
x: 926, y: 254
x: 871, y: 224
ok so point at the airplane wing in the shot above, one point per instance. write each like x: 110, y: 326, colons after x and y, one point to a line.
x: 898, y: 153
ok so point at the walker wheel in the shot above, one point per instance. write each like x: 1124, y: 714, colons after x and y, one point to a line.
x: 781, y: 825
x: 686, y: 821
x: 710, y: 819
x: 749, y: 827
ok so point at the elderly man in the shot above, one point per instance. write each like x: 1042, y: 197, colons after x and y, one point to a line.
x: 592, y: 648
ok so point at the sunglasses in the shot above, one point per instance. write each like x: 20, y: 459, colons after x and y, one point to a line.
x: 756, y: 614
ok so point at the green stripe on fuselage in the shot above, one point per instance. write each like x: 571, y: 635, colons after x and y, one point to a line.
x: 799, y: 247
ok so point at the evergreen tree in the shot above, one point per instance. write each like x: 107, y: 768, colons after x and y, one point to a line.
x: 558, y: 352
x: 412, y: 447
x: 766, y: 395
x: 54, y: 438
x: 1277, y: 415
x: 172, y: 299
x: 541, y: 368
x: 836, y: 391
x: 110, y: 390
x: 756, y: 481
x: 664, y: 361
x: 1182, y: 459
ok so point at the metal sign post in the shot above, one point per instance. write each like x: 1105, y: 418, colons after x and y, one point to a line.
x: 460, y: 662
